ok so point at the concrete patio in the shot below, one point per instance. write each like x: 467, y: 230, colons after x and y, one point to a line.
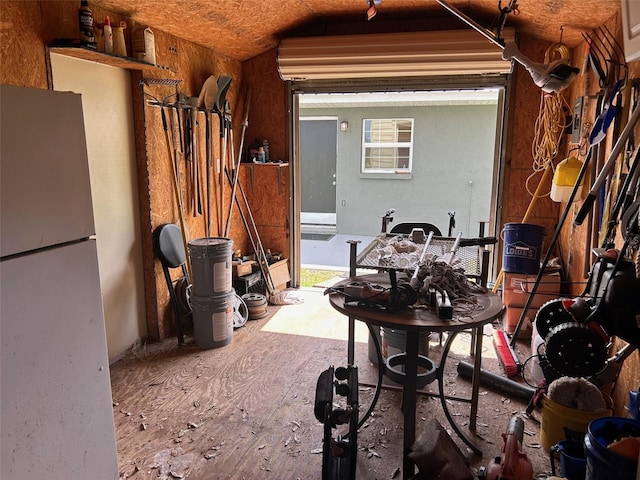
x: 333, y: 252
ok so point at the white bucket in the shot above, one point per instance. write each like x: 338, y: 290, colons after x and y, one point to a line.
x: 211, y: 266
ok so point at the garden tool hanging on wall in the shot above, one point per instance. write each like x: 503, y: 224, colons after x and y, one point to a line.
x: 195, y: 178
x: 206, y: 102
x: 605, y: 56
x: 173, y: 166
x: 223, y: 84
x: 223, y: 110
x: 236, y: 163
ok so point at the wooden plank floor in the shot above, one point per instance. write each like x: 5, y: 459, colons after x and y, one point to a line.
x: 245, y: 410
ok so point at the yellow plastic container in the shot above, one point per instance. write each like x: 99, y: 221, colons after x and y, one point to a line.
x: 564, y: 179
x: 564, y: 423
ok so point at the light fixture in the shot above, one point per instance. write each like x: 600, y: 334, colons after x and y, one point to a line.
x: 372, y: 10
x: 550, y: 77
x: 344, y: 126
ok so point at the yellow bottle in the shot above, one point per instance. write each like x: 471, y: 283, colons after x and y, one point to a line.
x: 119, y: 45
x: 564, y: 179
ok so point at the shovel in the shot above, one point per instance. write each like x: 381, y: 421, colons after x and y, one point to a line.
x: 206, y: 102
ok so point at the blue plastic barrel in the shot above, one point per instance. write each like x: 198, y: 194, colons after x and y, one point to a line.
x: 603, y: 463
x: 522, y: 248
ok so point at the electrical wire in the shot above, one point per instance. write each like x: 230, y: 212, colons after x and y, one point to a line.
x: 549, y: 128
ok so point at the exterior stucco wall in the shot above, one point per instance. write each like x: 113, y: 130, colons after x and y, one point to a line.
x: 453, y: 157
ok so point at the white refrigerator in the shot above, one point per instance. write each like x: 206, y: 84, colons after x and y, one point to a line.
x: 56, y: 412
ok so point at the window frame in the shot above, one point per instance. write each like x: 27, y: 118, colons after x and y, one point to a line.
x: 369, y: 172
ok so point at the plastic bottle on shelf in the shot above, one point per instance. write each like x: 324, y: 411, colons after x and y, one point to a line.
x: 108, y: 35
x: 85, y: 18
x: 119, y: 44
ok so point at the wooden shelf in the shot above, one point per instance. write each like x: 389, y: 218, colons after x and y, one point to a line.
x: 93, y: 55
x: 267, y: 164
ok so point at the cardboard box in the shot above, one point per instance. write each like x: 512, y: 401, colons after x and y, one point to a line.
x: 280, y: 274
x: 244, y: 268
x: 512, y: 317
x: 517, y: 287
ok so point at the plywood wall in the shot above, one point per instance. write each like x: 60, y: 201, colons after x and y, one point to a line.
x: 27, y: 28
x: 577, y: 240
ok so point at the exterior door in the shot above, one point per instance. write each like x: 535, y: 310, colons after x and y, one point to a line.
x: 318, y: 154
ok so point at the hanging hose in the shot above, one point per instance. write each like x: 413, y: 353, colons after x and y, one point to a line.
x: 551, y: 121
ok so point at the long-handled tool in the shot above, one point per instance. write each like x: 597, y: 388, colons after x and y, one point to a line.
x: 254, y: 237
x: 537, y: 194
x: 229, y: 159
x: 235, y: 171
x: 193, y: 101
x: 625, y: 196
x: 185, y: 119
x: 176, y: 191
x: 223, y: 84
x: 223, y: 160
x: 209, y: 157
x: 606, y: 169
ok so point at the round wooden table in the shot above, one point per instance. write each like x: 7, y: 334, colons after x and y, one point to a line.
x: 421, y: 320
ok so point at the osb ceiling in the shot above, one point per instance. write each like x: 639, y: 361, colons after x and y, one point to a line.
x: 242, y: 29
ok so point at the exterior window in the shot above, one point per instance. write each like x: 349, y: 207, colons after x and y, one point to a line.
x: 387, y: 145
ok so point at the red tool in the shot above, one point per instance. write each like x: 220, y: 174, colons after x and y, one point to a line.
x: 512, y: 464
